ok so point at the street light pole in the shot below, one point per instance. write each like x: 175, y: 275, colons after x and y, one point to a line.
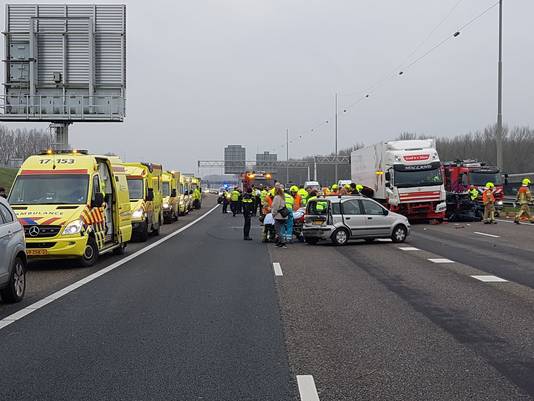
x: 499, y: 97
x: 335, y: 147
x: 287, y: 156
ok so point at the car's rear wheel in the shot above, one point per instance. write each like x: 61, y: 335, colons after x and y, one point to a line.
x: 311, y: 241
x: 399, y: 234
x: 90, y: 253
x: 340, y: 236
x: 14, y: 292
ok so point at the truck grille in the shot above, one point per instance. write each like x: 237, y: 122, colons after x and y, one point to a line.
x: 36, y: 231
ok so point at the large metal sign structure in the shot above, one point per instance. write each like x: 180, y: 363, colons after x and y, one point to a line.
x: 64, y: 63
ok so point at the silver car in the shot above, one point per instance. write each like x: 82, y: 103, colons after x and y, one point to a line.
x: 341, y: 218
x: 12, y: 255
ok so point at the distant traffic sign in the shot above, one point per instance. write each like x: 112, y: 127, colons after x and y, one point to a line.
x: 64, y: 63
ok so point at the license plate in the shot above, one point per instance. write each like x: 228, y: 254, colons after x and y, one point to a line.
x: 37, y: 252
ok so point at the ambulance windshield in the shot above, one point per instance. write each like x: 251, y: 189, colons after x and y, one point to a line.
x: 166, y: 189
x: 46, y: 189
x: 135, y: 187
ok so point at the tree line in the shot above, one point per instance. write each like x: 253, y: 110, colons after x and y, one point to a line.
x: 518, y: 147
x: 20, y: 143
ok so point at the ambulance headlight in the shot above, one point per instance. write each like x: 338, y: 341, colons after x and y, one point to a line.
x: 165, y: 205
x: 73, y: 227
x: 138, y: 214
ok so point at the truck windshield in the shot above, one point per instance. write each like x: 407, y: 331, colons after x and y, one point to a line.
x: 135, y: 187
x: 480, y: 179
x: 50, y: 189
x: 166, y: 189
x: 405, y: 179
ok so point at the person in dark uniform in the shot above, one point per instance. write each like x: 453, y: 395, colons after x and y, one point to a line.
x: 248, y: 210
x: 225, y: 201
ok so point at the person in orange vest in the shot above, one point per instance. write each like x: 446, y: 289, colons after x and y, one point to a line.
x: 489, y: 204
x: 297, y: 199
x: 524, y: 197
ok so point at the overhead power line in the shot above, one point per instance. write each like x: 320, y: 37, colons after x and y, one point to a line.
x: 402, y: 68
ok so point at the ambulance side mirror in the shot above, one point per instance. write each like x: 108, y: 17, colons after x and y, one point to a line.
x: 98, y: 200
x: 173, y: 193
x: 149, y: 195
x: 388, y: 177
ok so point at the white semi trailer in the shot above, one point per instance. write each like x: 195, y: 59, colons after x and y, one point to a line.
x: 405, y: 176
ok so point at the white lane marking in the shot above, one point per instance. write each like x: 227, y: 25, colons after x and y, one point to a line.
x: 58, y: 294
x: 384, y: 240
x: 512, y: 222
x: 307, y: 389
x: 490, y: 279
x: 408, y: 248
x: 440, y: 260
x: 277, y: 269
x: 487, y: 235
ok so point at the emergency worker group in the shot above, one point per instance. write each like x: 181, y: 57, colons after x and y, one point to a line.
x: 523, y: 199
x: 278, y: 208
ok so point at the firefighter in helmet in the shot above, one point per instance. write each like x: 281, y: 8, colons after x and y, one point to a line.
x: 524, y: 197
x: 488, y: 198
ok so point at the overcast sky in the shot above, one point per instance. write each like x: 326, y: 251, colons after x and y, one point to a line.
x: 206, y: 73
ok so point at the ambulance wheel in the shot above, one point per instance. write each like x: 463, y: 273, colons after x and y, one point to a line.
x: 121, y: 250
x: 143, y: 235
x: 155, y: 231
x: 90, y: 253
x: 14, y: 292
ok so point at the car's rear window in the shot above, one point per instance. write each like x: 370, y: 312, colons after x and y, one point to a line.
x: 318, y: 207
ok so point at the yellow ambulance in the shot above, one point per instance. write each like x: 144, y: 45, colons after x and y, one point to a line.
x: 196, y: 192
x: 169, y: 191
x: 185, y: 198
x: 72, y: 205
x: 144, y: 186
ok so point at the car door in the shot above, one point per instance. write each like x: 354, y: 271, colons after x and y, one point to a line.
x: 376, y: 218
x: 354, y: 218
x: 4, y: 244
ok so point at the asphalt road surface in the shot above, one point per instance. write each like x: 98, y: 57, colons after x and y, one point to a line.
x: 204, y: 315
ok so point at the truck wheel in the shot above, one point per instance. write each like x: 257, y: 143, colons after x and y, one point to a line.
x: 90, y: 253
x: 399, y: 234
x: 121, y: 250
x: 14, y: 292
x: 340, y: 237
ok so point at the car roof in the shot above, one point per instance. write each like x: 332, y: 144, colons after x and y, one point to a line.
x: 338, y: 198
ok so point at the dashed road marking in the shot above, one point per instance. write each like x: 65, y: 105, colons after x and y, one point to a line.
x: 277, y: 269
x: 487, y: 235
x: 408, y: 248
x: 490, y: 279
x: 307, y: 389
x: 440, y: 260
x: 58, y: 294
